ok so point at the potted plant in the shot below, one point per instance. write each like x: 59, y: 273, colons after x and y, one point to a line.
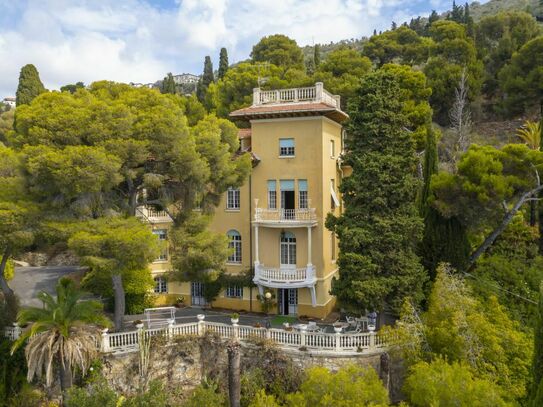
x: 138, y: 324
x: 200, y: 317
x: 234, y: 318
x: 257, y: 325
x: 338, y: 329
x: 180, y: 301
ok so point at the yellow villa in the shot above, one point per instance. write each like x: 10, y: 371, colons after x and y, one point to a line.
x: 275, y: 222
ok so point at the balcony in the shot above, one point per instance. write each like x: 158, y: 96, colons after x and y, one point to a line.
x: 151, y: 215
x: 284, y: 277
x: 311, y: 94
x: 286, y: 217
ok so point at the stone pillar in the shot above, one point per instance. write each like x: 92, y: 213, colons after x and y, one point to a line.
x: 104, y: 348
x: 256, y: 96
x: 372, y: 340
x: 338, y: 341
x: 319, y: 87
x: 201, y: 324
x: 302, y: 337
x: 171, y: 323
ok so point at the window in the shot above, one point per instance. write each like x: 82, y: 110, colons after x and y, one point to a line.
x: 286, y: 147
x: 162, y: 235
x: 232, y: 198
x: 272, y: 194
x: 302, y: 194
x: 332, y: 149
x: 235, y: 243
x: 234, y: 291
x: 161, y: 285
x: 288, y: 249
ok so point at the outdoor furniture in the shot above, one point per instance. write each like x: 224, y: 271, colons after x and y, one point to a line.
x: 159, y: 317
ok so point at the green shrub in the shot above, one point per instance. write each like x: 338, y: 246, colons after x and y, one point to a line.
x: 12, y: 371
x: 207, y: 394
x: 137, y: 302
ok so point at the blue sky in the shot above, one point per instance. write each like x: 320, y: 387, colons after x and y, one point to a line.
x: 142, y: 40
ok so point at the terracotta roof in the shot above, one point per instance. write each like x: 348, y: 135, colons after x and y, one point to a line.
x: 290, y: 109
x: 244, y: 133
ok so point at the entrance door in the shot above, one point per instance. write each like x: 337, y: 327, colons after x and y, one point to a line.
x: 288, y: 301
x: 197, y: 294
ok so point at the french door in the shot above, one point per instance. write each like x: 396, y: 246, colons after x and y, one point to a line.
x: 288, y: 301
x: 288, y: 250
x: 197, y: 294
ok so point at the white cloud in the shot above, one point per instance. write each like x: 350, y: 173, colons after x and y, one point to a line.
x: 141, y: 40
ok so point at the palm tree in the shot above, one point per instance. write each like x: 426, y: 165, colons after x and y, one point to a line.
x: 63, y: 334
x: 530, y: 133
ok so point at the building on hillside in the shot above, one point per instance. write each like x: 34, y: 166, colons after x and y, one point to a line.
x: 185, y: 78
x: 275, y: 222
x: 10, y: 101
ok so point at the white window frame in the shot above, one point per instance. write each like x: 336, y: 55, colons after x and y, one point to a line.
x: 234, y: 241
x: 287, y: 151
x: 162, y: 235
x: 272, y: 196
x: 303, y: 196
x: 161, y: 285
x: 234, y: 291
x: 233, y: 201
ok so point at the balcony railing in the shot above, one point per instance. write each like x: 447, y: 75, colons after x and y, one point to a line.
x: 285, y: 215
x: 315, y: 94
x: 152, y: 215
x: 273, y: 275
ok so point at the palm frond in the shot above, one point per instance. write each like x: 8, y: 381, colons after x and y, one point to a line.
x: 530, y: 134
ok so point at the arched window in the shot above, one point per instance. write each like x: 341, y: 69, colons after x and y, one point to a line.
x: 288, y: 248
x: 234, y: 241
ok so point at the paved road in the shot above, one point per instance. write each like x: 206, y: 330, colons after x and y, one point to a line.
x: 28, y: 281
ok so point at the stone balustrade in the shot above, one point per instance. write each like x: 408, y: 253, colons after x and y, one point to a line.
x: 284, y: 276
x: 124, y: 342
x: 300, y: 215
x: 315, y: 94
x: 152, y: 215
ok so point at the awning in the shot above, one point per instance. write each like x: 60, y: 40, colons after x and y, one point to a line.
x: 334, y: 196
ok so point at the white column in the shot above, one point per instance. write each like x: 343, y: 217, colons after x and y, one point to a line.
x: 257, y: 259
x: 256, y: 96
x: 313, y: 296
x: 319, y: 87
x: 309, y: 246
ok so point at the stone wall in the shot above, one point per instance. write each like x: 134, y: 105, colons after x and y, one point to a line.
x: 184, y: 363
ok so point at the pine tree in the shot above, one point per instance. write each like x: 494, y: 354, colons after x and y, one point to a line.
x: 29, y: 86
x: 380, y: 227
x: 394, y: 26
x: 223, y: 63
x: 430, y: 168
x: 317, y: 55
x: 536, y: 393
x: 168, y: 85
x: 457, y: 13
x: 205, y: 80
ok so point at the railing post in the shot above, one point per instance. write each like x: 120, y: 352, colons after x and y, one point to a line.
x: 235, y: 328
x: 268, y: 334
x: 171, y: 323
x: 372, y: 340
x: 296, y: 95
x: 201, y: 324
x: 319, y: 87
x: 16, y: 331
x: 104, y: 348
x: 338, y: 341
x: 256, y: 96
x: 302, y: 336
x: 277, y: 96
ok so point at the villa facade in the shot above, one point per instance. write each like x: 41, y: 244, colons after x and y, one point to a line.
x: 275, y: 221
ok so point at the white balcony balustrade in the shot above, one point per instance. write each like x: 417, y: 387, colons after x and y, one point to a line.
x: 312, y: 94
x: 298, y: 216
x: 283, y: 277
x: 152, y: 215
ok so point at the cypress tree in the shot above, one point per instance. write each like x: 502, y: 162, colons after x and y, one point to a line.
x: 205, y: 80
x: 536, y: 393
x: 317, y: 55
x: 168, y: 84
x: 380, y: 227
x: 29, y: 86
x: 223, y: 63
x: 444, y: 240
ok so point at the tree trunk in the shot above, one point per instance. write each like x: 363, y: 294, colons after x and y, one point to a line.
x: 384, y: 371
x: 234, y: 381
x: 533, y: 213
x: 504, y: 223
x: 65, y: 377
x: 6, y: 290
x: 118, y: 290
